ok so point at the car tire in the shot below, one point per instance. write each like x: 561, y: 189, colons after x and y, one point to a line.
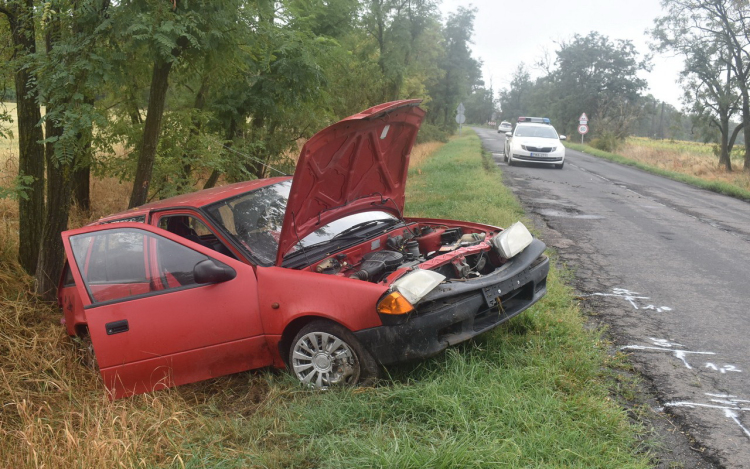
x: 560, y: 166
x: 510, y: 161
x: 317, y: 366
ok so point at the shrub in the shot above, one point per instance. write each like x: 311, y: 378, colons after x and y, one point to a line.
x: 431, y: 133
x: 607, y: 141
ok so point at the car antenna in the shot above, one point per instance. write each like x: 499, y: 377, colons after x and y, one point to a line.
x: 252, y: 158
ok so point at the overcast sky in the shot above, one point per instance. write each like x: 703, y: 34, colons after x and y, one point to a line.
x: 508, y: 32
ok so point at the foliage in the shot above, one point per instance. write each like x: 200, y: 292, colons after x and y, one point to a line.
x: 431, y: 133
x: 460, y: 71
x: 176, y: 95
x: 606, y: 141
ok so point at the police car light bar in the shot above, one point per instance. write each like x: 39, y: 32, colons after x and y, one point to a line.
x: 538, y: 120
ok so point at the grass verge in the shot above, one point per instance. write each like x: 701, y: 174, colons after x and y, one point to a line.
x: 720, y: 187
x: 533, y: 393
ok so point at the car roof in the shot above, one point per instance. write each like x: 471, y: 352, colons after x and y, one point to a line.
x: 195, y: 199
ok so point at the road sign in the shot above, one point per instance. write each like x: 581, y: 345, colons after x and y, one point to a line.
x: 461, y: 109
x: 583, y: 129
x: 460, y: 118
x: 583, y: 119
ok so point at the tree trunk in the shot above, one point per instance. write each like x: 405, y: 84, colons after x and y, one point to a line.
x: 156, y: 101
x: 231, y: 131
x: 195, y: 128
x: 59, y: 189
x: 724, y: 159
x: 746, y: 132
x: 81, y: 186
x: 30, y: 150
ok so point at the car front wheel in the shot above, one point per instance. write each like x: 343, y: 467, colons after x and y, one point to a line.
x: 560, y: 166
x: 325, y: 354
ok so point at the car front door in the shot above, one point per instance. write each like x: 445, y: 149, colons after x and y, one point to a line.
x: 155, y: 319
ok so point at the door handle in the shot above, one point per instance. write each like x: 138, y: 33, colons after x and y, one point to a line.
x: 117, y: 327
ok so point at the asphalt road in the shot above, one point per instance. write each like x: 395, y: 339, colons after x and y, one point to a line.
x: 667, y: 268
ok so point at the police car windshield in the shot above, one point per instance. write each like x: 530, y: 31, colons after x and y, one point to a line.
x: 539, y: 131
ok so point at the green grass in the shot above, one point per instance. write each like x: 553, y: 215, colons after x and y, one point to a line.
x: 720, y: 187
x: 530, y: 394
x: 683, y: 146
x: 533, y: 393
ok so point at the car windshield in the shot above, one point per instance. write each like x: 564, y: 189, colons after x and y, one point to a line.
x: 538, y: 131
x: 255, y: 220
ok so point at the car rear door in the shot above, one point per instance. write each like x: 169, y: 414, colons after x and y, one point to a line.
x: 152, y: 324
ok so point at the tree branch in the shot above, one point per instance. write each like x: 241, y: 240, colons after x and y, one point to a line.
x: 7, y: 13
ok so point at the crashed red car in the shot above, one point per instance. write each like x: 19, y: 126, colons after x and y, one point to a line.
x: 321, y: 272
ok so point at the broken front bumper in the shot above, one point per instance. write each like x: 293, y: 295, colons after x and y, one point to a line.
x: 457, y: 311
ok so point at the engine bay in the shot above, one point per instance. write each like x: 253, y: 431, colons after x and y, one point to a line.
x: 457, y: 252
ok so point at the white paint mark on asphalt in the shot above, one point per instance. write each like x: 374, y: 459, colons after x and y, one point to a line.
x: 631, y: 297
x: 730, y: 408
x: 627, y: 295
x: 681, y: 354
x: 664, y: 342
x: 722, y: 369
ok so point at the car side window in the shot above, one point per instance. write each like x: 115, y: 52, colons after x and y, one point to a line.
x: 195, y: 230
x: 125, y: 263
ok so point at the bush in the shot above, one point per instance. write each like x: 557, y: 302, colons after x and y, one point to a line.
x: 607, y: 141
x: 431, y: 133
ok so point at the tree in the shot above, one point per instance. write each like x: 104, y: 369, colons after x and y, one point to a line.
x: 593, y: 69
x: 69, y: 72
x: 720, y: 27
x: 514, y: 101
x: 20, y: 15
x: 460, y: 72
x: 480, y: 105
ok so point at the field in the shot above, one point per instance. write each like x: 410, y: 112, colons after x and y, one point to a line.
x: 690, y: 162
x: 534, y: 393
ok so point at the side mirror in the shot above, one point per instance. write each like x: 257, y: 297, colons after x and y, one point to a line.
x: 508, y: 134
x: 563, y: 137
x: 210, y: 271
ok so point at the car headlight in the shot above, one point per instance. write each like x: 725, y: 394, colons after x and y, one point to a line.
x: 512, y: 241
x: 554, y: 149
x: 524, y: 147
x: 409, y: 290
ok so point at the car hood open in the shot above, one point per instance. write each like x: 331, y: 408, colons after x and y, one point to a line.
x: 357, y: 164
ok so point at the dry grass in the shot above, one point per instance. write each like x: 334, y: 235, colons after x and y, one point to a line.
x: 689, y: 158
x: 421, y: 152
x: 53, y: 408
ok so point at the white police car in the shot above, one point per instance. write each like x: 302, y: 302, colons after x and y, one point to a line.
x: 534, y: 140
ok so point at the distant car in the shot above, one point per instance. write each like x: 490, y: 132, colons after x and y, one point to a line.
x: 504, y: 127
x: 534, y: 140
x: 320, y: 272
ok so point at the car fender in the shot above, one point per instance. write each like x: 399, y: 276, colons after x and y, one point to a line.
x: 286, y: 294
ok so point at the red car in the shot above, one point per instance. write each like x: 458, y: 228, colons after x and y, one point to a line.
x: 321, y: 272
